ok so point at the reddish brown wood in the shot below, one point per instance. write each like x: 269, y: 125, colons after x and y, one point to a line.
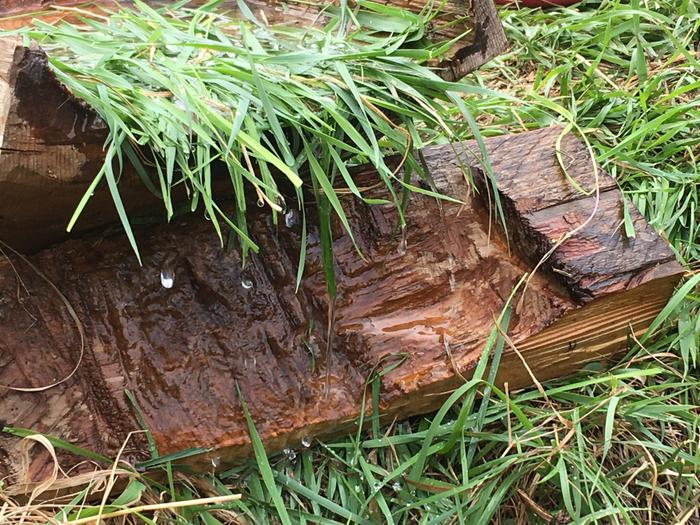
x: 51, y: 147
x: 182, y: 351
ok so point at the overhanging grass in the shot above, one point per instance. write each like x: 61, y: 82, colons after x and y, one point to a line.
x: 606, y: 446
x: 281, y: 107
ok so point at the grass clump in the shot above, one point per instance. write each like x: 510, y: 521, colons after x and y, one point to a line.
x: 607, y: 446
x: 287, y: 110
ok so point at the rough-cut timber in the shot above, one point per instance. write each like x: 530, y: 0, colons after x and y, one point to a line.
x: 183, y: 351
x: 51, y: 145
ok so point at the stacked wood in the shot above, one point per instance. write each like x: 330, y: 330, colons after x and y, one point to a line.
x: 188, y: 329
x: 425, y: 304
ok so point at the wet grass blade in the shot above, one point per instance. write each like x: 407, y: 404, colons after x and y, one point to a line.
x: 263, y: 464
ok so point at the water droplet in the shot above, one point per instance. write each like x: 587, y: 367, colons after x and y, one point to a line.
x: 428, y: 508
x: 206, y: 215
x: 261, y: 203
x: 167, y: 277
x: 376, y: 485
x: 215, y: 462
x: 450, y: 270
x: 357, y: 488
x: 306, y: 442
x: 289, y: 454
x: 247, y: 284
x: 290, y: 218
x: 396, y: 486
x: 402, y: 243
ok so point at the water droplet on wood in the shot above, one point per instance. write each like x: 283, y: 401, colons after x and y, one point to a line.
x: 167, y: 277
x: 290, y: 218
x: 402, y: 243
x: 247, y: 284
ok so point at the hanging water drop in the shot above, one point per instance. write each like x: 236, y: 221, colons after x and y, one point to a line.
x: 247, y: 284
x: 290, y: 218
x: 396, y: 486
x: 376, y: 485
x: 215, y: 462
x: 289, y: 454
x: 402, y: 243
x: 167, y: 277
x: 170, y: 51
x: 306, y: 442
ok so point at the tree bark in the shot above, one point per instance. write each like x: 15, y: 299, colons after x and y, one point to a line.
x: 184, y: 351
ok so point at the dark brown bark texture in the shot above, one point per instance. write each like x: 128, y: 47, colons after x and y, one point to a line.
x: 184, y: 351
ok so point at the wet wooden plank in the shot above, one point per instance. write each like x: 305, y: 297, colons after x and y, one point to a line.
x: 184, y: 350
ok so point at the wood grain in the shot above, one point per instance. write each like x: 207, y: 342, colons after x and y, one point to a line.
x: 183, y: 351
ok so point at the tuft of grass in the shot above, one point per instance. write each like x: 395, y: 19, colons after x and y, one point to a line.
x: 606, y: 446
x: 287, y: 110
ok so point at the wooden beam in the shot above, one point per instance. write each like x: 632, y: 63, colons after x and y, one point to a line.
x: 427, y: 305
x: 51, y: 147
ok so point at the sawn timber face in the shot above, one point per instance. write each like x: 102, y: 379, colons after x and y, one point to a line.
x: 543, y: 206
x: 52, y: 146
x: 183, y: 351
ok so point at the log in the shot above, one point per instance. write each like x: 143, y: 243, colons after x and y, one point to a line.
x: 184, y: 351
x: 50, y: 156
